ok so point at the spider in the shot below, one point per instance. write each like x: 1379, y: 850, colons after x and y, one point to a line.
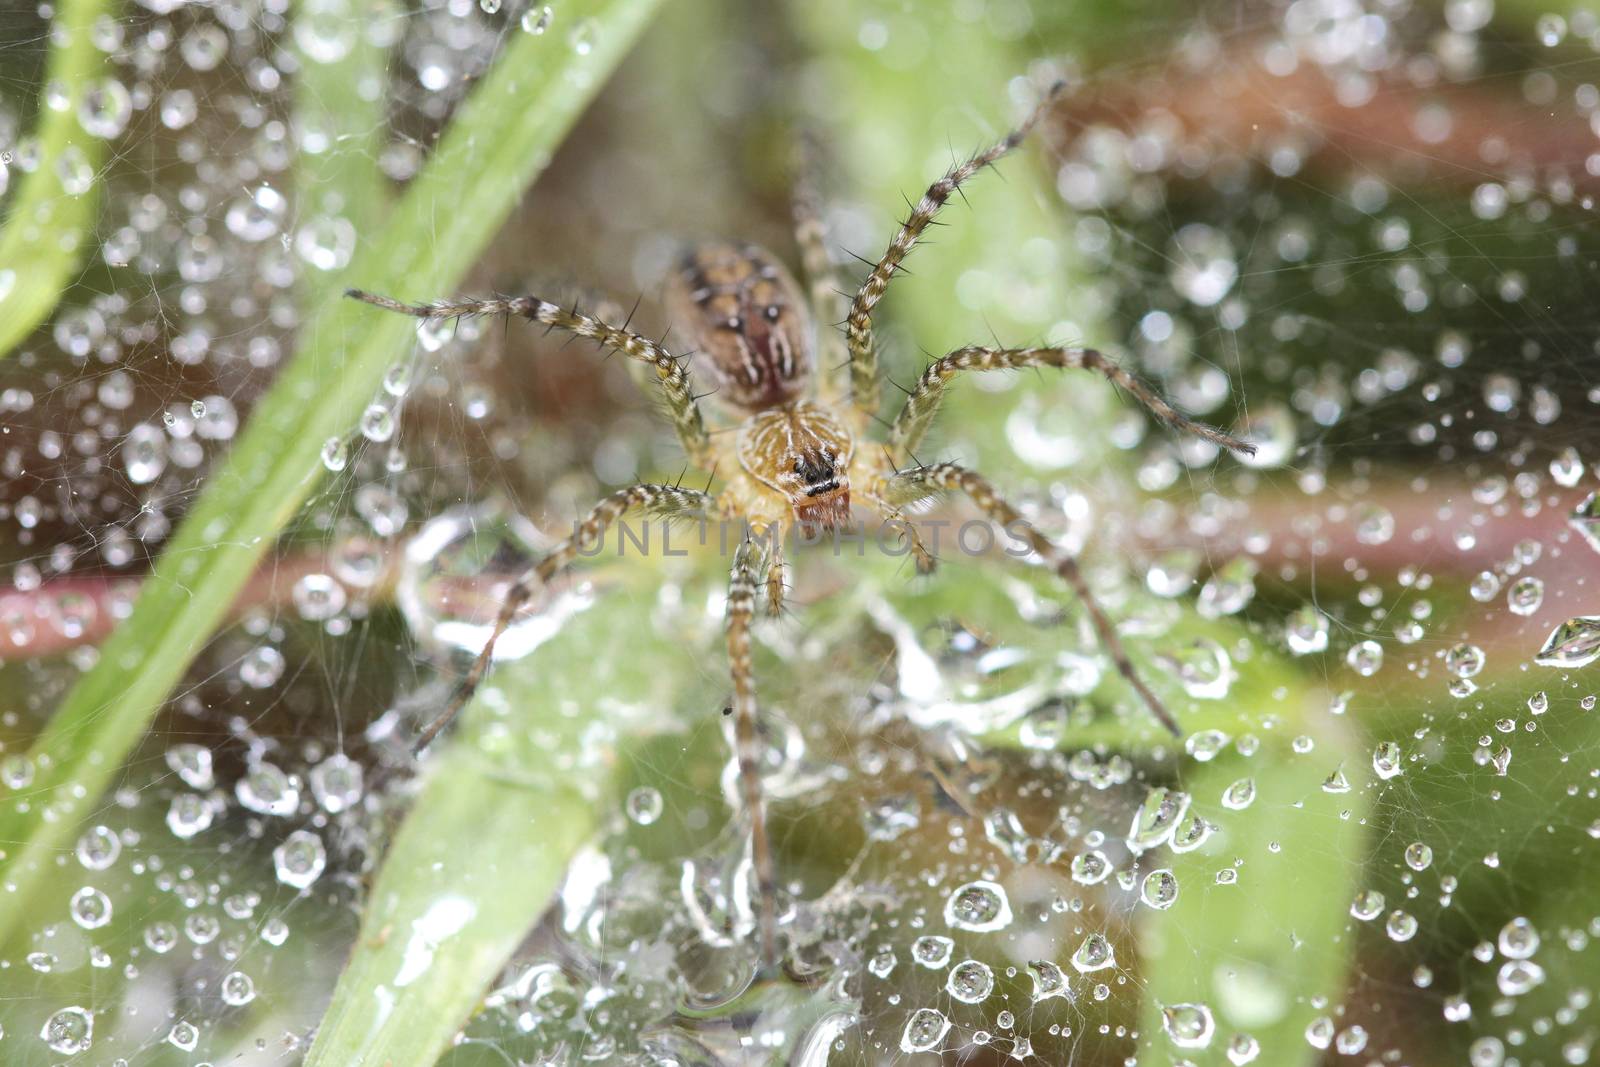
x: 798, y: 452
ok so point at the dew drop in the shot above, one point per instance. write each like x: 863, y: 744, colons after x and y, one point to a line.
x: 1575, y: 643
x: 1188, y: 1025
x: 970, y: 982
x: 69, y: 1031
x: 300, y: 859
x: 979, y: 907
x: 1094, y: 954
x: 1160, y: 889
x: 537, y: 19
x: 924, y: 1030
x: 644, y: 805
x: 90, y: 908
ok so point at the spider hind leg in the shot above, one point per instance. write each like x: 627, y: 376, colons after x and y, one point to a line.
x: 948, y: 477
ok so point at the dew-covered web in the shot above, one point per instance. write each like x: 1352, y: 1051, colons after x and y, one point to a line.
x: 1360, y: 233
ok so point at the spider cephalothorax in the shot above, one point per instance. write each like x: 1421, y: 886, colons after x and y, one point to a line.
x: 794, y: 459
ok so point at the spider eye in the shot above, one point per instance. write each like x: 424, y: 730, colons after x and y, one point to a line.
x: 734, y: 322
x: 772, y: 311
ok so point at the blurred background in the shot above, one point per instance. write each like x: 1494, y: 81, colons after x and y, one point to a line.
x: 1358, y: 232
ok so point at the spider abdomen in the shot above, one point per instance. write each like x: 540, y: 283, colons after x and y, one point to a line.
x: 743, y: 312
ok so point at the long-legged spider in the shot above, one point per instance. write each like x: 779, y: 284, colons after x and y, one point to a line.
x: 794, y: 457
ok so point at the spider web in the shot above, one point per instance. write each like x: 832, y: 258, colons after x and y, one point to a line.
x: 1294, y: 219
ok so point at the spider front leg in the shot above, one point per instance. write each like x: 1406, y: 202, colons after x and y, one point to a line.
x: 905, y: 436
x: 922, y: 482
x: 742, y: 586
x: 669, y: 369
x: 923, y: 558
x: 864, y: 377
x: 827, y: 298
x: 667, y: 501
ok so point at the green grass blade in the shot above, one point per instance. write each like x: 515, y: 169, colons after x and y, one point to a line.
x: 487, y: 841
x: 340, y: 110
x: 48, y: 229
x: 502, y: 137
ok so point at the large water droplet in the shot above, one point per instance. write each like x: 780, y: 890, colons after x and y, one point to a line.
x: 1575, y: 643
x: 979, y: 907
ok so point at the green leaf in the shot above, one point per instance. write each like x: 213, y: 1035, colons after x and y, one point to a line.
x: 488, y: 839
x: 48, y: 229
x: 1256, y: 952
x: 501, y: 138
x: 340, y: 110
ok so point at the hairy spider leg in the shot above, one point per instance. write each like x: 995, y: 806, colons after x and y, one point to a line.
x: 920, y: 482
x: 924, y: 559
x: 742, y: 585
x: 667, y: 501
x: 828, y: 301
x: 865, y: 385
x: 922, y: 405
x: 682, y: 404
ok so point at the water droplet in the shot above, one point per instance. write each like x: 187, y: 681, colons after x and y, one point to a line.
x: 257, y: 216
x: 184, y: 1036
x: 1518, y: 939
x: 1239, y: 795
x: 1490, y: 1051
x: 979, y: 907
x: 1566, y: 469
x: 377, y: 423
x: 1525, y: 596
x: 1586, y: 520
x: 1094, y: 954
x: 105, y: 108
x: 267, y: 790
x: 144, y: 453
x: 1575, y: 643
x: 932, y: 951
x: 337, y: 783
x: 1517, y: 977
x: 1188, y: 1025
x: 1243, y: 1049
x: 98, y: 848
x: 1386, y: 760
x: 318, y: 597
x: 644, y: 805
x: 1418, y: 856
x: 1090, y: 868
x: 1368, y: 905
x: 582, y: 37
x: 1153, y: 824
x: 334, y: 454
x: 192, y: 763
x: 970, y: 982
x: 924, y: 1031
x: 1160, y: 889
x: 1204, y: 266
x: 238, y: 989
x: 189, y: 814
x: 1228, y: 590
x: 90, y: 908
x: 69, y: 1031
x: 1400, y: 926
x: 1306, y: 630
x: 537, y: 19
x: 1365, y: 658
x: 299, y: 861
x: 261, y: 667
x: 1048, y: 981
